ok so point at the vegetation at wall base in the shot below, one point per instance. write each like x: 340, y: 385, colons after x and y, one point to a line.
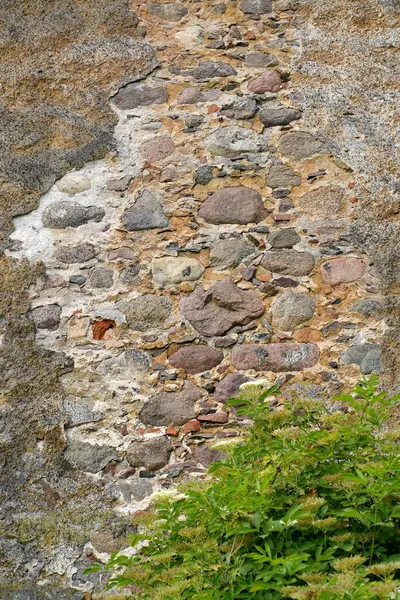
x: 306, y: 506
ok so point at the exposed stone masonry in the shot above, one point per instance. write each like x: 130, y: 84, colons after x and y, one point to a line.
x: 210, y: 248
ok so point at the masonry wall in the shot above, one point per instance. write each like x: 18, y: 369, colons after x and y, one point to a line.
x: 226, y: 237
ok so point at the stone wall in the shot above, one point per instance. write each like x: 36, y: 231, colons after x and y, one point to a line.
x: 226, y: 237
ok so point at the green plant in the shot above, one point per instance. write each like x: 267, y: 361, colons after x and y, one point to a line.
x: 306, y: 506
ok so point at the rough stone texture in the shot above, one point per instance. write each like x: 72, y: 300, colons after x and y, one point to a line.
x: 139, y: 94
x: 61, y: 65
x: 233, y: 205
x: 324, y: 201
x: 366, y: 356
x: 272, y: 117
x: 146, y: 213
x: 275, y: 357
x: 343, y: 270
x: 158, y: 148
x: 234, y: 141
x: 66, y: 60
x: 47, y: 317
x: 256, y: 7
x: 291, y: 309
x: 171, y: 271
x: 70, y: 214
x: 284, y: 238
x: 151, y: 454
x: 72, y: 183
x: 208, y: 70
x: 267, y: 82
x: 171, y: 408
x: 229, y: 253
x: 300, y: 145
x: 168, y: 11
x: 102, y: 278
x: 288, y: 262
x: 282, y: 176
x: 259, y: 59
x: 229, y: 386
x: 89, y: 457
x: 223, y: 305
x: 76, y: 254
x: 241, y: 109
x: 196, y: 359
x: 146, y: 312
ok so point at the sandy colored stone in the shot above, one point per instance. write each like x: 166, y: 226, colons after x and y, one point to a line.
x: 169, y: 270
x: 323, y: 202
x: 298, y: 145
x: 73, y: 183
x: 288, y: 262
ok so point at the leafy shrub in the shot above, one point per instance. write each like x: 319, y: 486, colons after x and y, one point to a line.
x: 306, y: 507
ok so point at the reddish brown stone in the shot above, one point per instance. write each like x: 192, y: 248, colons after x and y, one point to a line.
x: 266, y: 82
x: 215, y: 311
x: 196, y: 358
x: 275, y: 357
x: 216, y: 418
x: 190, y: 426
x: 239, y: 204
x: 343, y: 270
x: 172, y: 431
x: 100, y: 326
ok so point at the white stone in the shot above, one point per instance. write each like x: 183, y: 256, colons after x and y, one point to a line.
x: 73, y: 183
x: 190, y: 37
x: 169, y: 270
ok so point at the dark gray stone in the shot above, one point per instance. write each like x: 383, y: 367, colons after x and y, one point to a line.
x: 203, y: 175
x: 146, y: 213
x: 367, y: 307
x: 272, y: 117
x: 146, y: 311
x: 283, y: 238
x: 76, y: 254
x: 209, y: 69
x: 77, y: 279
x: 47, y: 317
x: 288, y: 262
x: 151, y: 454
x: 60, y: 215
x: 89, y: 457
x: 194, y: 121
x: 171, y: 408
x: 139, y: 94
x: 282, y: 176
x: 168, y: 11
x: 102, y: 278
x: 229, y: 253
